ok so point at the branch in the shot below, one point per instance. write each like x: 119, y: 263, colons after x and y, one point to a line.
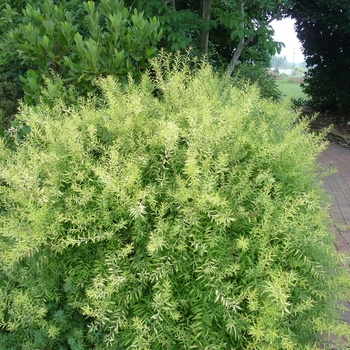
x: 171, y: 2
x: 243, y: 43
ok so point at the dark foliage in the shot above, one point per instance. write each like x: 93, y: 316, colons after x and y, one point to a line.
x: 323, y: 27
x: 10, y: 93
x: 257, y: 74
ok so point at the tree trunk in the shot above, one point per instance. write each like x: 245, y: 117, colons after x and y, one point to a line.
x: 204, y: 38
x: 235, y: 57
x: 239, y: 48
x: 245, y: 41
x: 171, y: 3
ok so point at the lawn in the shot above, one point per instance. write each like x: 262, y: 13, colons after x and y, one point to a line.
x: 290, y: 87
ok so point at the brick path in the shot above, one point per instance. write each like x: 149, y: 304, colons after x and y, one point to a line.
x: 338, y: 186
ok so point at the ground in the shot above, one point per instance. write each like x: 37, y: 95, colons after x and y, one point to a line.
x: 290, y: 87
x: 338, y: 121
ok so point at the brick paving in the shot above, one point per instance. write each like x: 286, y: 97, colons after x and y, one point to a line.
x: 338, y: 187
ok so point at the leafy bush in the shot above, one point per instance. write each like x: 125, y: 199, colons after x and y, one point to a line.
x: 255, y: 74
x: 180, y: 25
x: 10, y: 67
x: 283, y: 75
x: 82, y: 42
x: 327, y: 80
x: 298, y: 70
x: 9, y: 96
x: 299, y: 103
x: 323, y: 96
x: 190, y: 220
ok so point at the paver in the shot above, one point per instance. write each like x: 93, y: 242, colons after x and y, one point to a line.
x: 338, y: 186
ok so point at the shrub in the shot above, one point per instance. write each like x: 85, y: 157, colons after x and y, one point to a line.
x: 299, y: 70
x: 191, y: 220
x: 298, y: 103
x: 9, y: 96
x: 10, y: 67
x: 82, y: 42
x: 256, y: 74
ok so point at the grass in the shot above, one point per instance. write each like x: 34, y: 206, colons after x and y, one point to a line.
x: 290, y: 89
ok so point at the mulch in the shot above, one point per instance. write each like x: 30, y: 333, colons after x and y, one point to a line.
x: 337, y: 121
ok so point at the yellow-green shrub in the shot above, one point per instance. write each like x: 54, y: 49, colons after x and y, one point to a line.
x: 190, y: 220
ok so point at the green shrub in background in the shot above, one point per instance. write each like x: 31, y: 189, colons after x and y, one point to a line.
x: 283, y: 75
x: 81, y: 41
x: 9, y: 96
x: 298, y: 103
x: 82, y: 44
x: 191, y: 220
x: 257, y: 74
x: 10, y: 68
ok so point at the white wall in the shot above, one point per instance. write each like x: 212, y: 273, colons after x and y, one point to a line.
x: 286, y: 71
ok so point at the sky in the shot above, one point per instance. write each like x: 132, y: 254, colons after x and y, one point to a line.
x: 284, y: 32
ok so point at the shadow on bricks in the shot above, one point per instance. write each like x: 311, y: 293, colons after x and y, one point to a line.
x: 338, y: 187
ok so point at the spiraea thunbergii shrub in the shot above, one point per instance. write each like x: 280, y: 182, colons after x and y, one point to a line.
x: 181, y: 214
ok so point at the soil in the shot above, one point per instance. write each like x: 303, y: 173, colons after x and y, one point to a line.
x: 337, y: 121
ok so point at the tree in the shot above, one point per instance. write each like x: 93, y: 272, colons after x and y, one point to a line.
x: 204, y: 38
x: 279, y: 62
x: 298, y: 70
x: 255, y: 18
x: 323, y: 27
x: 234, y: 30
x: 45, y: 40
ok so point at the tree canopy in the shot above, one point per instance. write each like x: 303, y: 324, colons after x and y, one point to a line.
x: 81, y: 41
x: 323, y: 27
x: 228, y: 32
x: 231, y: 30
